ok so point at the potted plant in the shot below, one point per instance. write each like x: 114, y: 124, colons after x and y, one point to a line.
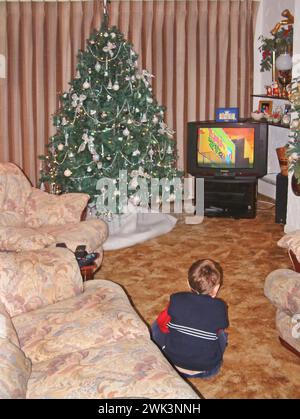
x: 280, y: 43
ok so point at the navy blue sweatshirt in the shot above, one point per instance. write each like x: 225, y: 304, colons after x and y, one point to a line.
x: 192, y: 341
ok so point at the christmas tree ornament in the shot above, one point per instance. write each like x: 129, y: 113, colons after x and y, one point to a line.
x: 66, y: 139
x: 116, y: 86
x: 71, y: 155
x: 109, y: 48
x: 60, y: 147
x: 96, y: 157
x: 99, y: 165
x: 144, y: 118
x: 149, y: 99
x: 89, y: 169
x: 109, y: 86
x: 126, y: 132
x: 106, y: 73
x: 108, y: 97
x: 67, y: 173
x: 169, y: 150
x: 113, y: 35
x: 98, y: 67
x: 86, y: 85
x: 155, y: 120
x: 136, y: 153
x: 151, y: 152
x: 93, y: 111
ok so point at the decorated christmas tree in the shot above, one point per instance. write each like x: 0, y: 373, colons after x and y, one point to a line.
x: 294, y: 143
x: 109, y: 121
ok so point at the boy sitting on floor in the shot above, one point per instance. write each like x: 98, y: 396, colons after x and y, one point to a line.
x: 190, y: 331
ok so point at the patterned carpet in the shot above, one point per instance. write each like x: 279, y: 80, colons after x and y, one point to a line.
x: 255, y: 364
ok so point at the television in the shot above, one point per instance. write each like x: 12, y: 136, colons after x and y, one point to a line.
x: 232, y: 149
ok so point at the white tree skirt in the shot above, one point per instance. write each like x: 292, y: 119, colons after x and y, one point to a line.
x: 129, y: 229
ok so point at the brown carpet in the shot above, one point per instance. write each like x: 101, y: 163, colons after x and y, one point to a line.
x: 255, y: 364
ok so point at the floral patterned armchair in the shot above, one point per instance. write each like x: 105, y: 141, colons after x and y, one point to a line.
x: 282, y: 288
x: 31, y: 219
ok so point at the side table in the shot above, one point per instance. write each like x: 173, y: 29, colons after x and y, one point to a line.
x: 87, y: 272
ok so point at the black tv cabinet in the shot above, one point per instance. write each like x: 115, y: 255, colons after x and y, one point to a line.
x: 230, y: 197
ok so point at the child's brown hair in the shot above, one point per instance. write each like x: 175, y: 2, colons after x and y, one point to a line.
x: 204, y: 275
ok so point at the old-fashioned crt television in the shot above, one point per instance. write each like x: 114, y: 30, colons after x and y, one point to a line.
x: 232, y: 149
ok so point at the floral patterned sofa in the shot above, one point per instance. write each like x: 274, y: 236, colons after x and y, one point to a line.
x: 62, y: 338
x: 31, y: 219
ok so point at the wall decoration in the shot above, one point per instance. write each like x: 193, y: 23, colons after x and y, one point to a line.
x: 227, y: 114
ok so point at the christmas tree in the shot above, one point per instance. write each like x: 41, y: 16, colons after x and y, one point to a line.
x: 109, y: 121
x: 294, y: 144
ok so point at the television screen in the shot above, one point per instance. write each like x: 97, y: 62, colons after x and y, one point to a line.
x: 233, y: 149
x: 226, y: 148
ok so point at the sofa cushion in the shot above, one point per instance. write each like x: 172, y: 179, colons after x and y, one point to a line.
x: 18, y: 239
x: 43, y: 208
x: 30, y: 280
x: 91, y: 233
x: 102, y: 314
x: 15, y: 370
x: 131, y: 368
x: 11, y: 219
x: 14, y: 188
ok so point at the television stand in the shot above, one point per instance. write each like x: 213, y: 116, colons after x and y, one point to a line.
x: 230, y: 197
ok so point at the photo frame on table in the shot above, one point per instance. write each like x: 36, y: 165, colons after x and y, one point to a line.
x: 227, y: 114
x: 265, y: 106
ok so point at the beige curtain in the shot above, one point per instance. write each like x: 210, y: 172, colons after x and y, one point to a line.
x: 200, y: 52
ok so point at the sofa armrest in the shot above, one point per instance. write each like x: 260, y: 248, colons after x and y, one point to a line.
x: 91, y: 233
x: 282, y: 288
x: 30, y: 280
x: 42, y: 208
x: 291, y: 242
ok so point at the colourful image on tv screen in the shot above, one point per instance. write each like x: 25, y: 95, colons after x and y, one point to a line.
x: 226, y: 148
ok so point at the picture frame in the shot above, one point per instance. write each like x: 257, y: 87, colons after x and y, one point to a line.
x: 265, y: 106
x: 227, y: 114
